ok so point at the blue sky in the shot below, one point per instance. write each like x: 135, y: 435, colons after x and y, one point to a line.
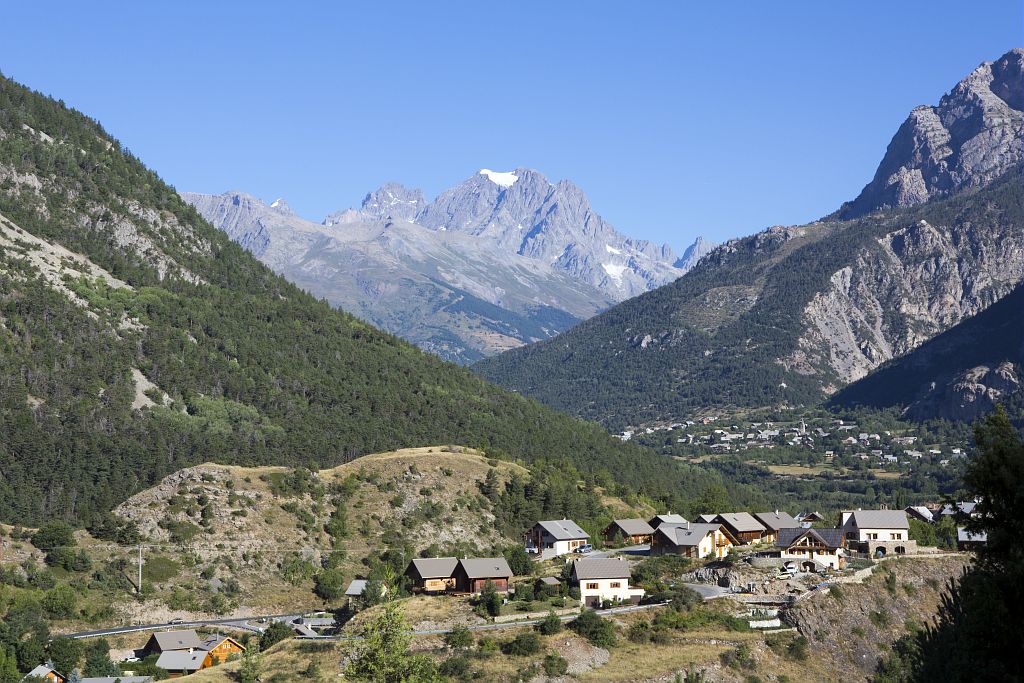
x: 676, y: 118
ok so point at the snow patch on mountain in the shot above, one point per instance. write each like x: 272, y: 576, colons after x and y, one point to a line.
x: 504, y: 179
x: 614, y: 271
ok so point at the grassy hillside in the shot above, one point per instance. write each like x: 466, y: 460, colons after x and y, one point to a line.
x: 736, y: 331
x: 137, y: 339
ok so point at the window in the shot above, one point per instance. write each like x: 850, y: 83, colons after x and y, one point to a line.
x: 591, y: 586
x: 872, y: 537
x: 616, y: 584
x: 896, y: 536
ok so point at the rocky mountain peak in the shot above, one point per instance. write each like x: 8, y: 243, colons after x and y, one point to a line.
x: 394, y: 201
x: 694, y: 253
x: 281, y: 206
x: 974, y: 135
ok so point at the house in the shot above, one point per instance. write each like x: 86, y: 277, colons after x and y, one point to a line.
x: 604, y: 578
x: 919, y: 512
x: 45, y: 671
x: 692, y: 540
x: 432, y: 574
x: 657, y: 520
x: 965, y: 540
x: 221, y: 647
x: 963, y: 508
x: 561, y: 535
x: 775, y: 521
x: 472, y: 574
x: 878, y: 531
x: 706, y: 519
x: 548, y: 585
x: 179, y: 663
x: 809, y: 517
x: 172, y: 641
x: 742, y: 526
x: 628, y: 532
x: 811, y: 549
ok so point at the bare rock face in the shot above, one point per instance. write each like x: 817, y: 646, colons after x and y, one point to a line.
x: 975, y: 134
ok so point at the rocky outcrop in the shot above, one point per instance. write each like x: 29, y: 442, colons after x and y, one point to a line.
x: 974, y: 135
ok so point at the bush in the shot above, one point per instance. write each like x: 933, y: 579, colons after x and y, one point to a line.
x: 550, y: 625
x: 459, y: 638
x: 455, y: 667
x: 879, y: 618
x: 595, y: 629
x: 639, y: 632
x: 275, y: 633
x: 522, y: 645
x: 555, y: 665
x: 329, y: 585
x: 738, y: 658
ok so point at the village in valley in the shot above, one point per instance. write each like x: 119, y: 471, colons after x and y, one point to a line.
x: 750, y: 570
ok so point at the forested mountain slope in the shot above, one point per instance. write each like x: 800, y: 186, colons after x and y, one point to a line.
x: 960, y: 374
x: 137, y: 339
x: 785, y: 316
x: 791, y: 314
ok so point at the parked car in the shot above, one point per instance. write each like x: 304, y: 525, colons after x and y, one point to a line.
x: 588, y: 548
x: 177, y: 620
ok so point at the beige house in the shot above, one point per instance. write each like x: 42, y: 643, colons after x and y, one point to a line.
x: 693, y: 540
x: 432, y: 574
x: 878, y: 532
x: 604, y: 578
x: 811, y: 550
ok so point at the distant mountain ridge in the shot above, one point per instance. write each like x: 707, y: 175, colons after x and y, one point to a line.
x: 792, y: 314
x: 502, y: 259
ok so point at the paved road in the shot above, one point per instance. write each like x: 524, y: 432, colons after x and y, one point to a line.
x: 708, y: 591
x: 245, y: 624
x: 641, y: 550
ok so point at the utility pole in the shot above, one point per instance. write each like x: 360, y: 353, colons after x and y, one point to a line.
x: 139, y: 584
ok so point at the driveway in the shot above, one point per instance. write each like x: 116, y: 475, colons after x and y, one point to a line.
x: 707, y: 590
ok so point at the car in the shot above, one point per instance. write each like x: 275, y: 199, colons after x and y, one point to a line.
x: 584, y: 549
x: 177, y: 620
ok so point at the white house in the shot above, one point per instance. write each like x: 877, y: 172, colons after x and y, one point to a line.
x: 876, y: 525
x: 561, y: 535
x: 604, y: 578
x: 811, y: 549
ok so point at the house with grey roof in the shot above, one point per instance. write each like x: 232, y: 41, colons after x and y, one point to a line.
x: 432, y: 574
x: 604, y: 579
x: 628, y: 532
x: 920, y: 513
x: 878, y: 532
x: 560, y: 535
x: 811, y: 550
x: 183, y: 662
x: 47, y: 672
x: 473, y: 574
x: 774, y: 522
x: 172, y: 641
x: 668, y: 518
x: 966, y: 540
x: 692, y: 540
x: 742, y: 525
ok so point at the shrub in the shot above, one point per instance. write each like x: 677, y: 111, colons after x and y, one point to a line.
x: 836, y: 591
x: 555, y: 665
x: 459, y: 638
x: 879, y: 618
x: 739, y: 657
x: 550, y: 625
x: 455, y: 667
x: 524, y: 644
x: 640, y: 631
x: 595, y: 629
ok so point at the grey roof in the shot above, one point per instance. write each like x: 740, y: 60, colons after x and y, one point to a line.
x: 742, y: 522
x: 177, y: 640
x: 435, y: 567
x: 549, y: 581
x: 486, y: 567
x: 635, y: 527
x: 966, y: 507
x: 776, y: 520
x: 563, y: 529
x: 214, y: 639
x: 113, y: 679
x: 965, y: 536
x: 600, y: 568
x: 707, y: 519
x: 831, y: 538
x: 670, y: 518
x: 180, y: 660
x: 356, y: 588
x: 40, y: 672
x: 879, y: 519
x: 803, y: 516
x: 920, y: 511
x: 687, y: 535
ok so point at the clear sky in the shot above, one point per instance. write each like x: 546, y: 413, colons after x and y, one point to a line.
x: 677, y: 118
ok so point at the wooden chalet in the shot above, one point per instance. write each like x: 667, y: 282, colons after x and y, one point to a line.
x: 472, y: 574
x: 811, y: 550
x: 47, y: 673
x: 172, y: 641
x: 628, y: 532
x: 178, y: 663
x: 692, y: 540
x: 742, y: 526
x: 667, y: 518
x: 773, y: 522
x: 221, y: 647
x: 432, y: 574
